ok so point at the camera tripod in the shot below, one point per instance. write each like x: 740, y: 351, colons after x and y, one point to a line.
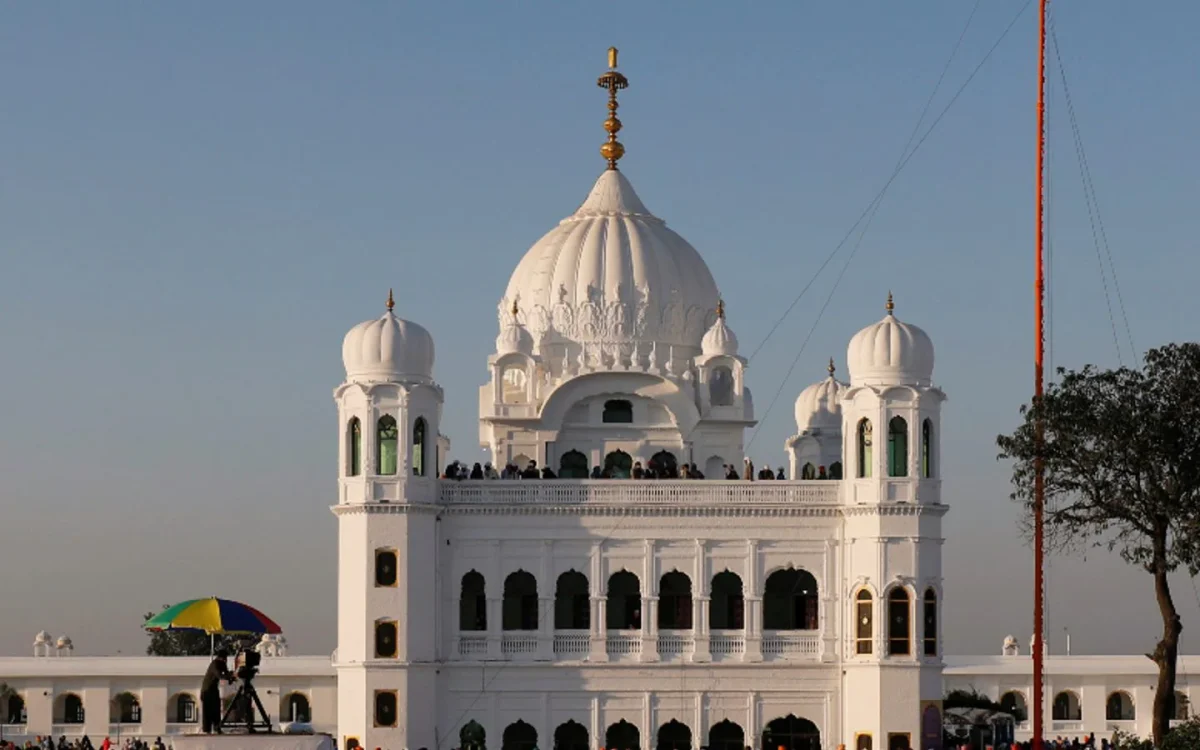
x: 247, y: 700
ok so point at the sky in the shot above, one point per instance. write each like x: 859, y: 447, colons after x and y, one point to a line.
x: 198, y: 201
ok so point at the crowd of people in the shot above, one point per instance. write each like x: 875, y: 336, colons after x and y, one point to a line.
x: 457, y: 470
x: 83, y: 743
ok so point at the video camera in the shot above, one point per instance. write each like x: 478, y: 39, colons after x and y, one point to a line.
x: 246, y: 664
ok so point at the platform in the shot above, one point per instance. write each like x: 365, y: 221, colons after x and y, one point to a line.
x: 253, y: 742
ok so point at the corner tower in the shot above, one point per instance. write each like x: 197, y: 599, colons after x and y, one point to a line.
x: 389, y: 410
x: 893, y: 536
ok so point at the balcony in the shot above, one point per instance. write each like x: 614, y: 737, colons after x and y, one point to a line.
x: 728, y: 644
x: 572, y: 644
x: 790, y: 646
x: 676, y: 643
x: 1066, y: 726
x: 472, y: 646
x: 518, y: 645
x: 623, y: 643
x: 658, y: 492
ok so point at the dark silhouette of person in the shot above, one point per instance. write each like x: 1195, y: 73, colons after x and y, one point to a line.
x: 210, y: 691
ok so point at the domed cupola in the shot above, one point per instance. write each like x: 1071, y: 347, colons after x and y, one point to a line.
x: 819, y: 405
x: 720, y: 339
x: 514, y: 337
x: 890, y: 352
x: 388, y: 348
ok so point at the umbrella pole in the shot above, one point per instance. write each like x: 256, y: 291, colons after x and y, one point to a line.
x: 212, y: 644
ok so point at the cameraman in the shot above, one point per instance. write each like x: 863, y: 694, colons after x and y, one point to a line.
x: 210, y: 691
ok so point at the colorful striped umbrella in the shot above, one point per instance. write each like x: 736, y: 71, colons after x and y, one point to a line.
x: 213, y: 616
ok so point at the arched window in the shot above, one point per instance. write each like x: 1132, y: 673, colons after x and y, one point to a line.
x: 927, y: 449
x: 1182, y: 710
x: 572, y: 605
x: 514, y: 386
x: 520, y: 608
x: 618, y: 411
x: 790, y: 601
x: 181, y: 709
x: 571, y: 735
x: 385, y: 639
x: 472, y: 605
x: 125, y: 709
x: 898, y: 622
x: 864, y: 622
x: 808, y: 471
x: 385, y: 445
x: 897, y: 447
x: 14, y: 710
x: 725, y: 735
x: 664, y: 464
x: 1119, y: 707
x: 472, y: 736
x: 675, y: 601
x: 418, y: 447
x: 295, y: 708
x: 720, y: 387
x: 354, y: 448
x: 624, y: 602
x: 835, y: 470
x: 1013, y: 702
x: 865, y: 452
x: 386, y: 714
x: 1066, y: 707
x: 72, y: 709
x: 623, y: 736
x: 727, y: 610
x: 385, y: 567
x: 791, y: 733
x: 618, y: 464
x: 519, y: 736
x: 674, y: 736
x: 931, y: 623
x: 573, y: 465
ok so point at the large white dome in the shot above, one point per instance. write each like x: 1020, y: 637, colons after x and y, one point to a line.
x: 388, y: 348
x: 890, y: 353
x: 819, y: 406
x: 613, y: 272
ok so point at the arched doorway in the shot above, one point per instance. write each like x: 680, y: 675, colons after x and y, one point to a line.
x: 665, y: 465
x: 519, y: 736
x: 618, y: 464
x: 472, y: 736
x: 571, y: 735
x: 623, y: 736
x: 791, y: 733
x: 573, y: 465
x: 726, y: 735
x: 674, y: 735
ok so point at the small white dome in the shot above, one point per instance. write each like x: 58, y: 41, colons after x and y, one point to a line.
x: 514, y: 337
x: 890, y: 353
x: 42, y: 637
x: 64, y: 642
x: 389, y: 348
x: 820, y: 405
x: 720, y: 339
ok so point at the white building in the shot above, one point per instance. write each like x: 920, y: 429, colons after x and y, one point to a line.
x: 577, y: 613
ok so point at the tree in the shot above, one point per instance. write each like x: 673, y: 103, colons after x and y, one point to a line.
x: 1121, y: 456
x: 191, y: 642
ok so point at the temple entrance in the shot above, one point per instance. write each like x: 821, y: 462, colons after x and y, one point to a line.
x: 791, y: 733
x: 573, y: 465
x: 618, y: 464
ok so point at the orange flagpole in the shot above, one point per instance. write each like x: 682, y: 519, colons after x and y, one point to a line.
x: 1039, y: 485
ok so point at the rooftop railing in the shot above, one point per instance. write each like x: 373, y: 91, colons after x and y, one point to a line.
x: 672, y: 492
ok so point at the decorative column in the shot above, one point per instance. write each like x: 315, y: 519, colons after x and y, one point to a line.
x: 700, y: 609
x: 827, y: 619
x: 599, y: 635
x: 649, y: 628
x: 495, y: 631
x: 545, y: 647
x: 753, y: 629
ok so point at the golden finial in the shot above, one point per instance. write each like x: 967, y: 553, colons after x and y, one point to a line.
x: 832, y: 369
x: 721, y: 309
x: 391, y: 302
x: 612, y: 150
x: 890, y: 304
x: 515, y: 309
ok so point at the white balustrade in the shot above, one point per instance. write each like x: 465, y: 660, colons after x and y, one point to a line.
x: 623, y: 643
x: 472, y: 645
x: 519, y: 644
x: 1066, y: 726
x: 675, y: 643
x: 726, y: 644
x: 665, y: 492
x: 572, y: 644
x: 784, y: 645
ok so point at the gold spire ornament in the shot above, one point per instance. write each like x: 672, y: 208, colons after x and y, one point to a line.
x: 391, y: 302
x: 721, y: 309
x: 890, y: 304
x: 832, y: 369
x: 612, y: 150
